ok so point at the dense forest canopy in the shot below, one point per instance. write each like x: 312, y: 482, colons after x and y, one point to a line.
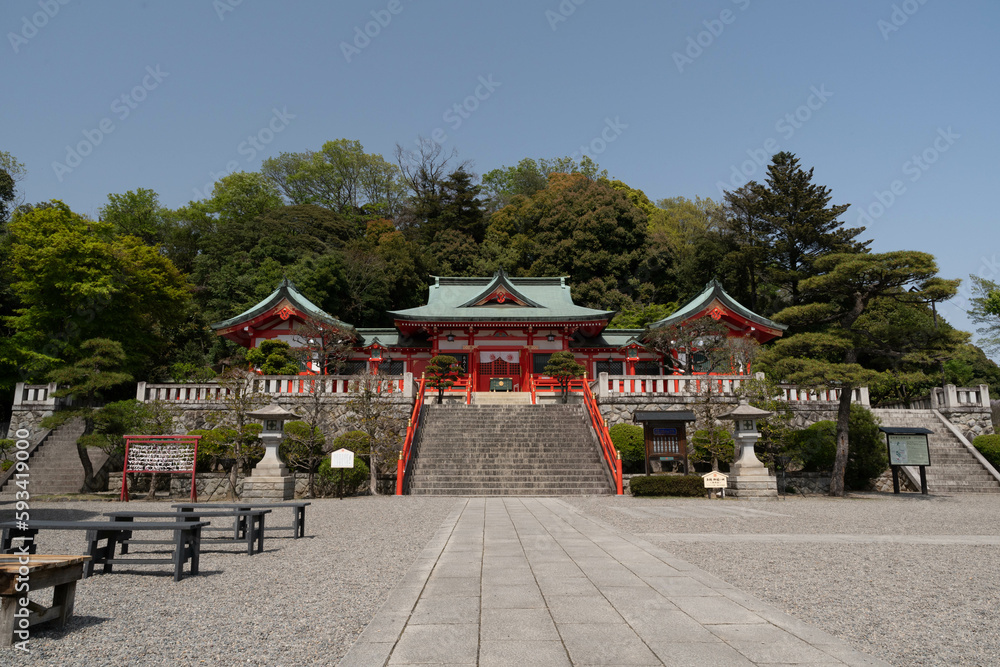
x: 360, y: 234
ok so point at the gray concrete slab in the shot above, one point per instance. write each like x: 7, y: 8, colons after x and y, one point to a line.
x: 531, y: 581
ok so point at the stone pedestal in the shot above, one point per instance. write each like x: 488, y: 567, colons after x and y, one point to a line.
x: 748, y: 477
x: 270, y: 478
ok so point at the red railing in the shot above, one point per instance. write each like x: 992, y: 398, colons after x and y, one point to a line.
x: 411, y: 430
x: 611, y: 455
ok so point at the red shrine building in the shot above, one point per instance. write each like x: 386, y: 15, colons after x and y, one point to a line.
x: 499, y: 327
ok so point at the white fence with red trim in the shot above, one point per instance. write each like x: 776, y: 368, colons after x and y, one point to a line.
x: 275, y: 386
x: 682, y: 386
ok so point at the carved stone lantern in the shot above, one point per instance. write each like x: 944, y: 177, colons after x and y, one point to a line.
x: 270, y: 477
x: 748, y: 476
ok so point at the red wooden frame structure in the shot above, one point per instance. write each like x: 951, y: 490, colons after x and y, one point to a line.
x: 171, y: 454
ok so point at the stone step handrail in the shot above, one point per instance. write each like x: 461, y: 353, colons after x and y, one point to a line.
x: 275, y: 386
x: 725, y: 386
x: 38, y: 397
x: 948, y: 397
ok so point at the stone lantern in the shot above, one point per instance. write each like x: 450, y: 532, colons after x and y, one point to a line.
x: 748, y: 476
x: 270, y: 478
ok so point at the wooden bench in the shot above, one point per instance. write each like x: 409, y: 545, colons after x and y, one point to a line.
x: 58, y: 572
x: 298, y: 526
x: 187, y: 541
x: 249, y: 526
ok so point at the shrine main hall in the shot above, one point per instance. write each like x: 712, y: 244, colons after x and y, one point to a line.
x: 498, y: 327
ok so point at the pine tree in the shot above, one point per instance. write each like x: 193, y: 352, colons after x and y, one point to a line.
x: 802, y: 224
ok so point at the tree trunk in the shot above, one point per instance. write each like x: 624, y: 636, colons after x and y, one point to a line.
x: 373, y: 469
x: 843, y: 422
x: 233, y: 475
x: 88, y: 467
x: 152, y: 487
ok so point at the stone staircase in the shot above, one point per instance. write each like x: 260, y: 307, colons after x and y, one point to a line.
x: 55, y: 466
x: 501, y: 398
x: 505, y: 450
x: 953, y: 468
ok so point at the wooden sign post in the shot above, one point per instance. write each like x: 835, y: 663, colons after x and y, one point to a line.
x: 342, y: 458
x: 716, y: 480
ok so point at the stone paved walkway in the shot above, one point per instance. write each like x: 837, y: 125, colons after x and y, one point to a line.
x: 530, y: 581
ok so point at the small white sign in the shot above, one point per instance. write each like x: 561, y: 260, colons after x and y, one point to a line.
x: 342, y: 458
x: 716, y: 480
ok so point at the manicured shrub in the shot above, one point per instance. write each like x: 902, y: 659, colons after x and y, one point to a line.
x: 630, y: 440
x: 989, y: 447
x: 667, y: 485
x: 815, y: 448
x: 327, y: 477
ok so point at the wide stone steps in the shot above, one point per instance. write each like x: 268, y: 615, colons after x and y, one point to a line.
x: 55, y: 465
x: 506, y: 450
x: 953, y: 468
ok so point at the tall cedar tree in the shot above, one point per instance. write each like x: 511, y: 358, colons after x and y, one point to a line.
x: 800, y: 223
x: 833, y: 334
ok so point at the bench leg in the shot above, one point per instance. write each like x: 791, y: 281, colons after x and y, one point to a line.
x: 181, y: 538
x: 8, y: 605
x: 300, y: 522
x: 260, y: 535
x: 195, y: 549
x: 63, y: 597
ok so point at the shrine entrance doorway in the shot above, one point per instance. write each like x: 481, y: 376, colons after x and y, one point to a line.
x: 499, y: 375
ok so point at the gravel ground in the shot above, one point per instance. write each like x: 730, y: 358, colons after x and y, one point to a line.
x: 885, y: 584
x: 301, y: 602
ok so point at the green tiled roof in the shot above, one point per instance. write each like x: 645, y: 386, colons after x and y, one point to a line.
x: 285, y: 290
x: 713, y: 290
x: 546, y: 299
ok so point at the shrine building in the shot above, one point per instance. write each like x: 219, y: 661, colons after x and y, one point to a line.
x: 499, y: 327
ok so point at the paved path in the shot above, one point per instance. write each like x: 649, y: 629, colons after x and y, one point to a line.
x: 532, y: 582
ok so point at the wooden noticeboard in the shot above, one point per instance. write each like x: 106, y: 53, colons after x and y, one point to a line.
x: 666, y: 445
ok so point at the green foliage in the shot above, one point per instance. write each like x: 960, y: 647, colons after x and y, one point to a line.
x: 188, y: 372
x: 353, y: 478
x: 691, y: 486
x: 441, y: 372
x: 274, y: 357
x: 75, y: 280
x: 639, y: 317
x: 116, y: 420
x: 563, y: 368
x: 712, y: 444
x: 94, y: 374
x: 630, y: 440
x: 6, y: 448
x: 357, y: 441
x: 985, y: 311
x: 136, y: 213
x: 815, y: 448
x: 303, y: 444
x: 989, y: 447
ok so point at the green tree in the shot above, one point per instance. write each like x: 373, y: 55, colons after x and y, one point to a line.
x: 274, y: 357
x: 304, y: 448
x: 372, y: 411
x: 236, y: 435
x: 802, y: 224
x: 243, y: 196
x: 630, y: 440
x: 985, y: 311
x: 136, y: 213
x: 815, y: 447
x: 563, y: 368
x: 442, y: 371
x: 74, y: 280
x: 713, y: 442
x: 340, y: 177
x: 700, y: 345
x: 96, y: 372
x: 827, y: 354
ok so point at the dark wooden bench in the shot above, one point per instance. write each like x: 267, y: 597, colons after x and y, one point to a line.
x: 49, y: 571
x: 187, y: 541
x: 298, y: 526
x: 249, y: 526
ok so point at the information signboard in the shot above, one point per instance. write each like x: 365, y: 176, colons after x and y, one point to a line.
x: 715, y: 480
x: 342, y: 458
x: 908, y: 450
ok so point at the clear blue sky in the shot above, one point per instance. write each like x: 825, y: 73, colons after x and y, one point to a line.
x: 856, y: 88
